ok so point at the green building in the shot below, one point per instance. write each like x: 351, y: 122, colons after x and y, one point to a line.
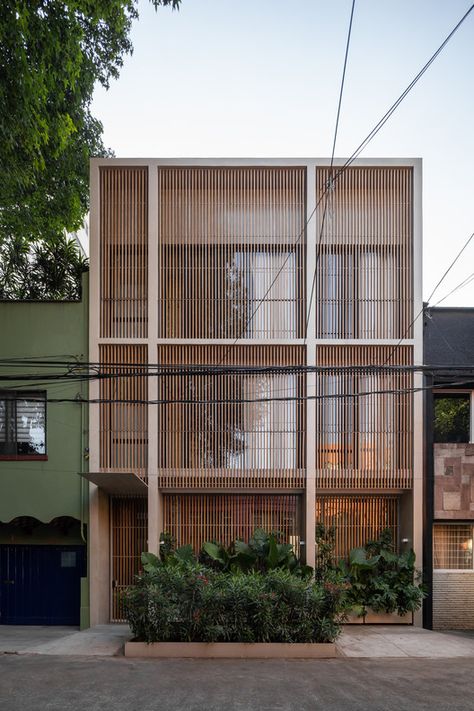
x: 43, y: 448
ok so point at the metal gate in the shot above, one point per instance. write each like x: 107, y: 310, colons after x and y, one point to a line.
x: 41, y: 584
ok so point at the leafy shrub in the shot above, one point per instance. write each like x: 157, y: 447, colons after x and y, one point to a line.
x: 262, y: 553
x: 382, y: 579
x: 181, y: 600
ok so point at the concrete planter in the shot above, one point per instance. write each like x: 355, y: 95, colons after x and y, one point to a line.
x: 388, y: 618
x: 230, y: 650
x: 381, y: 618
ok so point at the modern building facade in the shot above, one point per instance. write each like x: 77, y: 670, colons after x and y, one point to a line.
x: 43, y: 502
x: 449, y: 480
x: 299, y: 283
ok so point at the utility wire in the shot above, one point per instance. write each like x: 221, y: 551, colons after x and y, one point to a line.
x: 464, y: 283
x: 425, y: 306
x: 466, y: 244
x: 370, y: 136
x: 206, y: 371
x: 329, y: 187
x: 249, y: 320
x: 243, y: 401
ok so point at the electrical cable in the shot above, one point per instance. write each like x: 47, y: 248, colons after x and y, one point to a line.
x: 426, y: 305
x: 464, y: 283
x: 370, y: 136
x: 329, y: 187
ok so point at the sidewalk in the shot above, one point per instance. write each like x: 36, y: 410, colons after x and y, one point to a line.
x: 99, y: 641
x: 376, y: 641
x: 356, y: 641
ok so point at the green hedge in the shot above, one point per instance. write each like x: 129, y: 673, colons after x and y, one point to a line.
x: 183, y: 601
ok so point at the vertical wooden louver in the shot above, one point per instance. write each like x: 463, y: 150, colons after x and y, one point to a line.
x: 228, y: 238
x: 128, y: 519
x: 365, y: 253
x: 195, y: 519
x: 123, y: 252
x: 228, y: 434
x: 364, y: 419
x: 357, y: 519
x: 123, y: 424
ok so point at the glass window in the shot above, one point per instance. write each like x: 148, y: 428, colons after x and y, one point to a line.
x: 452, y: 546
x: 22, y: 423
x: 452, y: 417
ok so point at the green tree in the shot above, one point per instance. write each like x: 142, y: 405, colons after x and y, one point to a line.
x: 41, y: 270
x: 53, y: 53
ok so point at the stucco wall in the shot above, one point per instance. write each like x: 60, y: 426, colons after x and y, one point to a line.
x: 46, y: 489
x: 454, y: 481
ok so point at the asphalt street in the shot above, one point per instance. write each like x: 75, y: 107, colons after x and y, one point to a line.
x: 53, y: 683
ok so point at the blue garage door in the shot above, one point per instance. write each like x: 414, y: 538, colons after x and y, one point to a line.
x: 40, y: 585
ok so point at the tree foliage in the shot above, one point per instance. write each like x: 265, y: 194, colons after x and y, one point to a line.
x: 41, y: 270
x: 53, y: 53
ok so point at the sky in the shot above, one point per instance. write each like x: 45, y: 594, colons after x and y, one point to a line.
x: 261, y: 78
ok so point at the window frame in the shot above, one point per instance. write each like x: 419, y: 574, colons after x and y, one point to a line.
x: 452, y: 570
x: 15, y: 395
x: 458, y: 391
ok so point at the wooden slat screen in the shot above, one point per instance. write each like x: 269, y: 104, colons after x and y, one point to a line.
x: 248, y: 444
x: 123, y: 252
x: 128, y: 519
x: 225, y: 234
x: 358, y: 519
x: 365, y: 272
x: 364, y: 441
x: 196, y: 519
x: 124, y: 426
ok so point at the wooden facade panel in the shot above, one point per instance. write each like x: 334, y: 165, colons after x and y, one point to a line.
x: 364, y: 419
x: 195, y: 519
x: 123, y: 417
x: 228, y: 430
x: 229, y: 237
x: 128, y: 526
x: 123, y: 252
x: 365, y: 255
x: 357, y: 519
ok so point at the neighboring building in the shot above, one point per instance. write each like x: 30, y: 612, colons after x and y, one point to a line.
x: 449, y: 479
x: 182, y: 254
x: 43, y: 501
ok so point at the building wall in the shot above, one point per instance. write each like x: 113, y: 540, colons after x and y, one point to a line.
x: 49, y: 331
x: 453, y: 599
x: 45, y: 501
x: 182, y: 253
x: 454, y: 481
x: 449, y: 346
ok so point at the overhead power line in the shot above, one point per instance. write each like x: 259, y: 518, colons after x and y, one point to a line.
x: 424, y: 306
x: 464, y: 283
x: 371, y: 135
x: 326, y: 194
x: 243, y: 401
x: 144, y: 371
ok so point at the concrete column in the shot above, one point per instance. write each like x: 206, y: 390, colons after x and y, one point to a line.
x: 310, y: 493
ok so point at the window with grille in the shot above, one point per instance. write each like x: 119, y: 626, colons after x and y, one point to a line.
x: 452, y: 547
x: 22, y: 423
